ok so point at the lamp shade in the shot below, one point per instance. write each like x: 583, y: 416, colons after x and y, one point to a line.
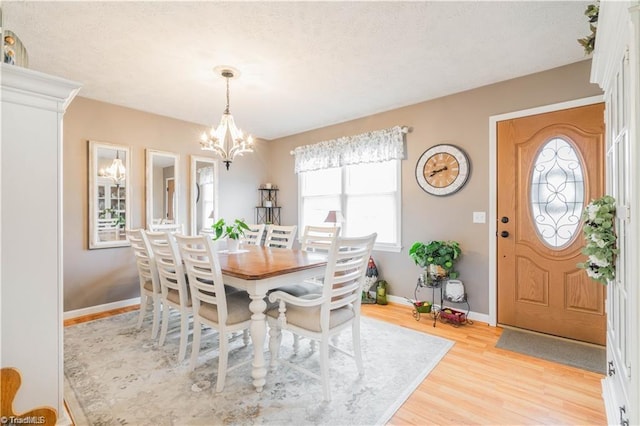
x: 334, y: 216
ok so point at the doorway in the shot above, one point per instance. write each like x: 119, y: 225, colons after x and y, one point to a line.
x: 548, y: 165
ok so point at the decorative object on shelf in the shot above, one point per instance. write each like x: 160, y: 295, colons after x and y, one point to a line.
x: 14, y: 51
x: 420, y: 307
x: 226, y: 140
x: 437, y: 257
x: 453, y: 316
x: 589, y: 42
x: 454, y: 291
x: 371, y: 277
x: 232, y: 232
x: 442, y: 170
x: 116, y: 171
x: 600, y: 239
x: 335, y: 217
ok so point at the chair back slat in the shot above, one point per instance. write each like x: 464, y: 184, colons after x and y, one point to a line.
x: 318, y: 239
x: 169, y: 264
x: 280, y: 236
x: 254, y: 234
x: 200, y: 255
x: 345, y: 273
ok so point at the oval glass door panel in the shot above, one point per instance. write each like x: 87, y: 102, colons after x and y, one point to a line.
x: 557, y: 193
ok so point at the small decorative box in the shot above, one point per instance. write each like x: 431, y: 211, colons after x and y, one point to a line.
x: 452, y: 315
x: 424, y: 307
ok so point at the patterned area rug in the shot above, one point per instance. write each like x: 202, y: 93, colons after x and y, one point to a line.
x: 116, y: 375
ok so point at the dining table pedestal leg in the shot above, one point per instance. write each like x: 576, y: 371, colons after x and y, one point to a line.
x: 258, y: 334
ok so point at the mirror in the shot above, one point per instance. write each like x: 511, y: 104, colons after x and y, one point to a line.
x: 109, y: 194
x: 204, y: 193
x: 163, y: 188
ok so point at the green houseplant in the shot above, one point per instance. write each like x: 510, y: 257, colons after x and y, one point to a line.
x: 438, y: 257
x: 233, y: 232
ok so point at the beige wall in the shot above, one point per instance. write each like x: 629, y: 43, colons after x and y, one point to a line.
x: 95, y: 277
x: 461, y: 119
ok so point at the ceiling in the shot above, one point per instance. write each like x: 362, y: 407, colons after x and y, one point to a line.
x: 303, y: 64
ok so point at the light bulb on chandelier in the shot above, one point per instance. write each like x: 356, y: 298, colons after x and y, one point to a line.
x: 226, y: 140
x: 116, y: 170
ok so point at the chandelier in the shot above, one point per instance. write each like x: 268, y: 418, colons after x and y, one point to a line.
x: 226, y: 140
x: 116, y: 170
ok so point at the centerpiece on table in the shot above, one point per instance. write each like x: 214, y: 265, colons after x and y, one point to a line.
x: 437, y: 258
x: 233, y: 232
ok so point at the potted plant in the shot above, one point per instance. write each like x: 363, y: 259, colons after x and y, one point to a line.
x: 233, y: 232
x: 436, y: 257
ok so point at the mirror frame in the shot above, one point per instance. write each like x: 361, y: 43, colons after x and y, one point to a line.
x: 94, y: 146
x: 193, y: 180
x: 151, y: 153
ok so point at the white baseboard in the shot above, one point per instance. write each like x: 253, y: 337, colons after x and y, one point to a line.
x: 101, y: 308
x: 474, y: 316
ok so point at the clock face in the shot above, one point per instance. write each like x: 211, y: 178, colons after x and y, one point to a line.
x: 442, y: 169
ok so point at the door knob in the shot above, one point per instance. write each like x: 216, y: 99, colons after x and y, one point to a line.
x: 504, y: 219
x: 504, y: 234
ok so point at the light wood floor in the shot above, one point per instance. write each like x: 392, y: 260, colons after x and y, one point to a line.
x: 475, y: 383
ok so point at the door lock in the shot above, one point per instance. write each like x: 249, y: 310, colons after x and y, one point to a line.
x: 504, y: 219
x: 504, y: 234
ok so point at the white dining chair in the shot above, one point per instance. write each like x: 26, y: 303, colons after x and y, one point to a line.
x: 321, y: 316
x: 315, y: 239
x: 213, y: 306
x: 173, y: 285
x: 280, y: 236
x: 148, y: 278
x: 254, y: 234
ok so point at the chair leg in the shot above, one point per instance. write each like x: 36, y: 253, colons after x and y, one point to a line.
x: 275, y: 337
x: 312, y: 345
x: 195, y: 347
x: 357, y: 350
x: 165, y: 323
x: 156, y: 316
x: 245, y: 337
x: 324, y: 368
x: 184, y: 335
x: 143, y: 308
x: 223, y: 359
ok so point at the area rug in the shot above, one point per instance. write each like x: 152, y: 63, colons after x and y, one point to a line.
x: 580, y: 355
x: 117, y: 375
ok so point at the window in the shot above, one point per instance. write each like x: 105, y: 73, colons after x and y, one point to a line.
x: 368, y: 195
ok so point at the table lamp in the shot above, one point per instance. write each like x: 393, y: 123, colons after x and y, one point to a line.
x: 335, y: 217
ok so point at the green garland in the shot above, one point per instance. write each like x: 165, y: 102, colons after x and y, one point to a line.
x: 589, y: 42
x: 600, y: 239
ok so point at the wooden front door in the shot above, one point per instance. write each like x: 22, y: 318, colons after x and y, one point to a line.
x: 549, y: 167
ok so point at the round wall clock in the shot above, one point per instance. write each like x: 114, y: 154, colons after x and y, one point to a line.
x: 442, y: 169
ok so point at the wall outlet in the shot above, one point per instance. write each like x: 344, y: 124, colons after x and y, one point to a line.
x: 479, y: 217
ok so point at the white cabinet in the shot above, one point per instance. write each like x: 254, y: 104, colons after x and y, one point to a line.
x: 31, y: 234
x: 615, y: 68
x: 112, y: 210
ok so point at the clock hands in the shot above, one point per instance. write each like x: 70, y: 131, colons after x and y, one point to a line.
x: 435, y: 172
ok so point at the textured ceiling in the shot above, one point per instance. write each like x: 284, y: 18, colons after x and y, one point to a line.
x: 303, y: 65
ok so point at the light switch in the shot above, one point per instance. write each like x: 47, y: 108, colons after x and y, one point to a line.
x: 479, y: 217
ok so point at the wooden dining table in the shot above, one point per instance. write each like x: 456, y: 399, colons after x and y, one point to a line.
x: 258, y: 269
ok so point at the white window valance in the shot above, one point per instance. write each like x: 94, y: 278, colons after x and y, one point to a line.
x: 380, y: 145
